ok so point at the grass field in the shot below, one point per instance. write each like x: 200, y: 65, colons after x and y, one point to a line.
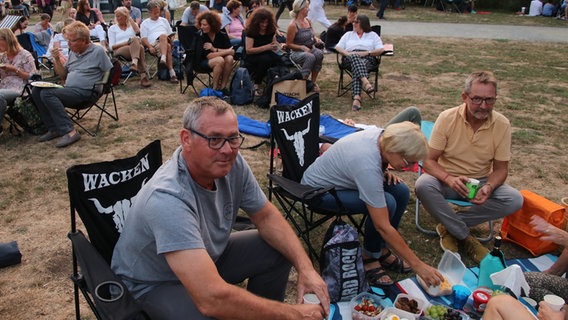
x: 425, y: 72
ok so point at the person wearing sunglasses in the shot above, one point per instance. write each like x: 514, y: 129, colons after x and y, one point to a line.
x: 469, y: 141
x: 177, y: 252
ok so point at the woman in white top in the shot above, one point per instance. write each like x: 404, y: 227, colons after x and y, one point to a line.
x: 359, y: 49
x: 124, y: 42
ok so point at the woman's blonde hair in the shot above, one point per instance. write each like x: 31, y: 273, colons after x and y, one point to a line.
x: 298, y: 6
x: 13, y: 44
x: 405, y: 138
x: 122, y: 10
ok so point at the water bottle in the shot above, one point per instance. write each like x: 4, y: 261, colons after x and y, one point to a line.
x: 493, y: 262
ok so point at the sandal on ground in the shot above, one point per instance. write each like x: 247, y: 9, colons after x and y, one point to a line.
x: 316, y: 88
x: 369, y: 89
x: 375, y: 275
x: 355, y: 107
x: 397, y: 265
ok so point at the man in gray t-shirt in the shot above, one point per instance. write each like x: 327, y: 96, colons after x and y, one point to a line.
x: 191, y: 12
x: 86, y: 65
x: 177, y: 254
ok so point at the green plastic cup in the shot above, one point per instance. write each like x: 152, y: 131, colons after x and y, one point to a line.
x: 473, y: 186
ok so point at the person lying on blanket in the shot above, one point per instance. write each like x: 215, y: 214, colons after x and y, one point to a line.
x: 356, y: 165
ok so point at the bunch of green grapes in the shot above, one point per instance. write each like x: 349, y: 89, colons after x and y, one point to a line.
x: 436, y: 312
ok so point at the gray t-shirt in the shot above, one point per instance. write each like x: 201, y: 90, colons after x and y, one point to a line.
x: 83, y: 70
x: 352, y: 163
x: 188, y: 18
x: 172, y: 212
x: 135, y: 13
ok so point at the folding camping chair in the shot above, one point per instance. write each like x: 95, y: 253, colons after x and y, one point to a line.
x: 101, y: 88
x: 190, y: 41
x: 427, y: 127
x: 297, y: 140
x: 101, y: 194
x: 343, y: 86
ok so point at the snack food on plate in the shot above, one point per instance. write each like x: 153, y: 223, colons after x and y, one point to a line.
x: 407, y: 304
x: 444, y: 289
x: 368, y: 308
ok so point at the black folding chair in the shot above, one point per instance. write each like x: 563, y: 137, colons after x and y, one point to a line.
x: 101, y: 194
x: 295, y: 134
x: 102, y: 88
x: 190, y: 41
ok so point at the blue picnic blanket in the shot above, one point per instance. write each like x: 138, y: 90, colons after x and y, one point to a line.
x: 329, y: 126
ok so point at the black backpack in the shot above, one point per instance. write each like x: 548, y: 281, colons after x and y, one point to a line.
x: 273, y: 75
x: 242, y: 88
x: 341, y: 262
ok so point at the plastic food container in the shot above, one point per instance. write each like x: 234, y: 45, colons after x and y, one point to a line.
x: 374, y: 299
x: 391, y: 313
x: 462, y: 314
x: 452, y: 268
x: 420, y: 304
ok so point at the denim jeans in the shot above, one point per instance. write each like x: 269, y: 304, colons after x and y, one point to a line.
x: 396, y: 196
x: 51, y: 106
x: 7, y: 97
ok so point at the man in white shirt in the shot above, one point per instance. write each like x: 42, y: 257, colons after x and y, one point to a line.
x: 155, y: 33
x: 535, y: 9
x: 191, y: 12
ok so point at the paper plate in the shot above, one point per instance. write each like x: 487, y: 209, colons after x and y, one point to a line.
x: 45, y: 84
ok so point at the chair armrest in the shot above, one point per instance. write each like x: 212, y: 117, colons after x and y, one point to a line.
x: 298, y: 190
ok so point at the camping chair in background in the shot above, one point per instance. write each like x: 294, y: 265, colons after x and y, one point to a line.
x: 9, y: 21
x: 101, y: 88
x: 344, y: 86
x: 190, y: 41
x: 296, y: 139
x: 427, y: 127
x: 102, y: 207
x: 25, y: 40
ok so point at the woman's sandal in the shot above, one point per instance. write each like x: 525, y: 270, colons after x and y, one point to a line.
x: 355, y: 107
x: 375, y: 275
x: 397, y: 265
x: 369, y: 89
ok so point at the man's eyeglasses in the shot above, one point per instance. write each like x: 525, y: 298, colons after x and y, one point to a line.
x: 479, y: 100
x: 355, y: 21
x: 217, y: 143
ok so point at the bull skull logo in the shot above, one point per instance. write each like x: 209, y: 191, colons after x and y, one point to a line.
x: 298, y: 138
